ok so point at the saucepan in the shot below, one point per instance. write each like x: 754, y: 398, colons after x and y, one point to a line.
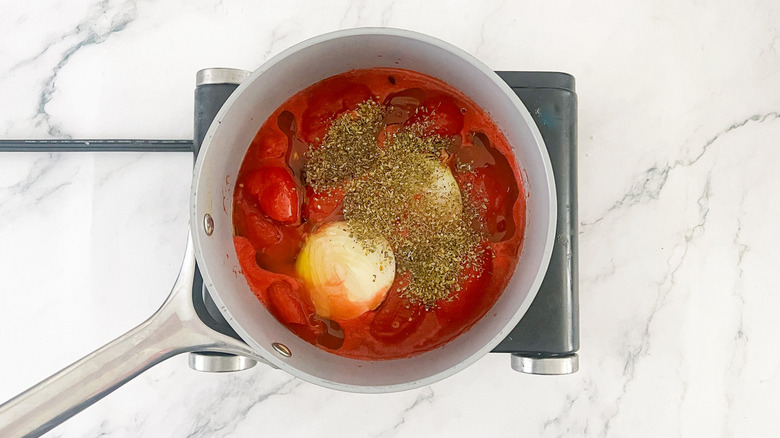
x: 176, y: 328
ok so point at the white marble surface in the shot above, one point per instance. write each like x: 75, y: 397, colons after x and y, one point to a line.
x: 679, y: 134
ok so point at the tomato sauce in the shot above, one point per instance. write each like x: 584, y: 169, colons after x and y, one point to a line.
x: 274, y: 211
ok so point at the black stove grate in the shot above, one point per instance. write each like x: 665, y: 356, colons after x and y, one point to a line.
x: 550, y: 328
x: 549, y: 331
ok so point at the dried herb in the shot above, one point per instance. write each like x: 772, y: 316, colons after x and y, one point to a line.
x: 405, y: 192
x: 348, y: 150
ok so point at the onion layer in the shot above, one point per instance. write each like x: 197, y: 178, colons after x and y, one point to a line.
x: 343, y: 278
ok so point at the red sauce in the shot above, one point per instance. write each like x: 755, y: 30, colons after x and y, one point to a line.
x: 274, y: 212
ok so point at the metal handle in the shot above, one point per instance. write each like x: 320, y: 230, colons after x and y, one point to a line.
x: 173, y: 329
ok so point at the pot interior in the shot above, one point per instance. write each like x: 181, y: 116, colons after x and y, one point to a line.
x: 233, y: 130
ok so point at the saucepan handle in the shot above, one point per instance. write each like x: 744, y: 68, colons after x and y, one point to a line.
x: 173, y: 329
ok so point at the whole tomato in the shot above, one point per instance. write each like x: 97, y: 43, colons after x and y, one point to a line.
x: 473, y: 280
x: 443, y: 114
x: 320, y: 204
x: 251, y: 223
x: 276, y: 193
x: 286, y: 304
x: 327, y: 104
x: 270, y: 144
x: 487, y: 187
x: 396, y: 318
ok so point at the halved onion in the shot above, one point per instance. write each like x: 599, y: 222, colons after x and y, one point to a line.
x: 343, y: 278
x: 444, y: 191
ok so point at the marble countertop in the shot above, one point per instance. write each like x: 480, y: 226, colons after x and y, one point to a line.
x: 679, y: 143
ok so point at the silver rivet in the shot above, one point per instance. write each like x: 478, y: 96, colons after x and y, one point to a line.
x: 208, y: 224
x: 282, y: 349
